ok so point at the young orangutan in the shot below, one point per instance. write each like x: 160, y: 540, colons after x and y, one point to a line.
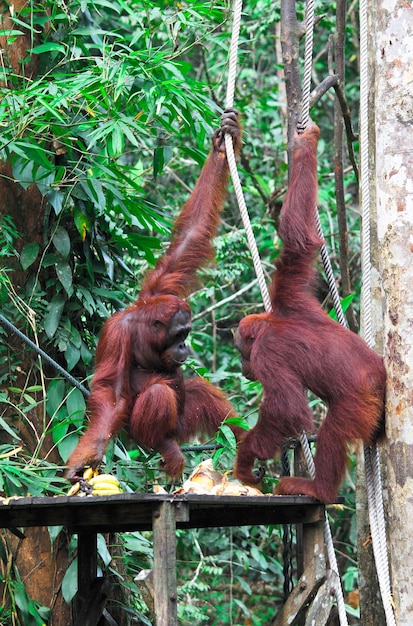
x: 297, y: 347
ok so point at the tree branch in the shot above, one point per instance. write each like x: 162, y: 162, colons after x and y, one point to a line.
x: 339, y: 117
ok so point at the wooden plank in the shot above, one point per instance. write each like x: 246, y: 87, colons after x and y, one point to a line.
x: 134, y: 511
x: 164, y: 564
x: 320, y: 609
x: 311, y: 579
x: 87, y: 567
x: 92, y: 611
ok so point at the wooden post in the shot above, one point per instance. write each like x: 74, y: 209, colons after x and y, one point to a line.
x: 312, y: 578
x: 87, y: 562
x: 164, y: 569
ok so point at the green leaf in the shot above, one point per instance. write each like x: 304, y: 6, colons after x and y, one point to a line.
x: 55, y: 396
x: 158, y: 161
x: 29, y: 254
x: 227, y: 437
x: 259, y: 556
x: 85, y: 354
x: 93, y: 189
x: 69, y: 583
x: 11, y: 33
x: 61, y: 241
x: 116, y: 142
x: 33, y: 151
x: 82, y: 222
x: 72, y: 355
x: 64, y: 274
x: 67, y: 445
x: 56, y: 199
x: 53, y: 315
x: 54, y: 532
x: 7, y: 428
x: 103, y: 550
x: 21, y: 598
x: 244, y: 584
x: 75, y: 403
x: 59, y: 430
x: 48, y: 47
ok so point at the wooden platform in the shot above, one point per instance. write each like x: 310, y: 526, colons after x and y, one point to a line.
x: 134, y: 511
x: 163, y: 514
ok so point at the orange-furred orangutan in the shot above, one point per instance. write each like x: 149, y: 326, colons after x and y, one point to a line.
x: 297, y: 347
x: 138, y: 381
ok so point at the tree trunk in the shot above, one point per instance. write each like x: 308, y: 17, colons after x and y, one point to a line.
x: 371, y: 607
x: 391, y: 178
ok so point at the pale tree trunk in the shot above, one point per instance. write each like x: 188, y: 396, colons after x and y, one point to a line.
x: 391, y: 176
x: 371, y: 607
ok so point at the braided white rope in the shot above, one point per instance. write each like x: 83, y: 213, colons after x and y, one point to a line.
x: 371, y: 453
x: 255, y: 256
x: 328, y: 269
x: 305, y: 115
x: 308, y: 62
x: 247, y: 224
x: 232, y: 162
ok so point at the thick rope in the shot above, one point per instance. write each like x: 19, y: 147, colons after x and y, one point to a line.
x: 255, y: 256
x: 328, y: 269
x: 308, y: 63
x: 371, y: 453
x: 232, y: 162
x: 305, y: 115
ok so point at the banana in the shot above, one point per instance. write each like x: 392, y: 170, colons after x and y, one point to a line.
x: 104, y: 478
x: 106, y: 489
x: 89, y: 473
x: 106, y: 492
x: 104, y: 486
x: 73, y: 489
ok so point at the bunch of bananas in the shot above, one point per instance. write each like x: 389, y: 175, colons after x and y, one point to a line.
x: 96, y: 484
x: 105, y: 485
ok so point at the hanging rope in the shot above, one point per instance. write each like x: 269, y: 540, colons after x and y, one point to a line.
x: 305, y: 115
x: 328, y: 269
x: 371, y: 453
x: 308, y: 63
x: 253, y: 247
x: 232, y: 162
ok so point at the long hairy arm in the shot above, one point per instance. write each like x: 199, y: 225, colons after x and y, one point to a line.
x: 109, y: 401
x: 295, y: 265
x: 197, y: 224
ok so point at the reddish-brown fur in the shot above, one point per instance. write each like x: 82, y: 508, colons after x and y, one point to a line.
x: 297, y: 347
x: 138, y: 380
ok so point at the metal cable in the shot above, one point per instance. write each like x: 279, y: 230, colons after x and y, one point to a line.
x: 5, y: 322
x: 328, y: 538
x: 287, y: 535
